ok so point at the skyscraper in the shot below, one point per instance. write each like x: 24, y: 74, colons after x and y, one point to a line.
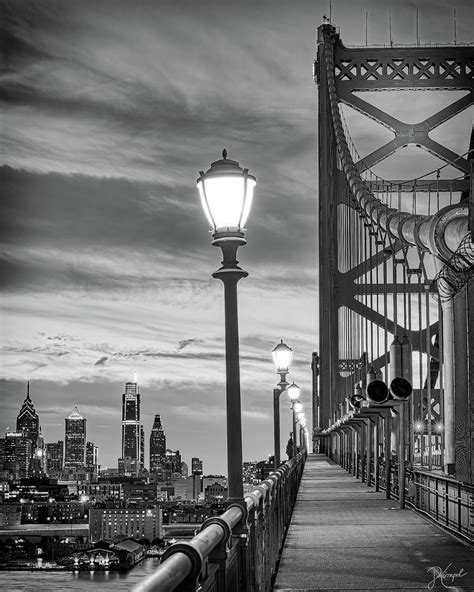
x: 196, y: 465
x: 75, y: 441
x: 172, y: 464
x: 92, y: 456
x: 133, y: 441
x: 18, y: 454
x: 54, y: 456
x: 27, y: 420
x: 157, y: 447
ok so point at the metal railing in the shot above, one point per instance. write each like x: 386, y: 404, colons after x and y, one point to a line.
x: 238, y: 550
x: 446, y: 501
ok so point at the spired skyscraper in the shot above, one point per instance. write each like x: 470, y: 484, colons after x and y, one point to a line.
x: 75, y: 441
x: 27, y: 420
x: 27, y: 423
x: 133, y: 437
x: 157, y: 448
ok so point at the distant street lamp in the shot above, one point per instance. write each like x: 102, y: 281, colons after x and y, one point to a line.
x: 300, y: 416
x: 226, y: 192
x: 282, y: 358
x: 298, y: 412
x: 419, y: 428
x: 293, y: 393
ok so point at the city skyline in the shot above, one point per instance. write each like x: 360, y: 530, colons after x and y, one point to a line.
x: 107, y: 260
x: 156, y: 452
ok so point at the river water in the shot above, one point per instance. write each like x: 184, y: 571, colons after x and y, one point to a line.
x: 49, y: 581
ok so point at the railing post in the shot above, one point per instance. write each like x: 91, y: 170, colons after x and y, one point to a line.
x: 252, y: 547
x: 219, y: 554
x: 198, y: 565
x: 387, y: 452
x: 273, y: 524
x: 240, y: 533
x: 376, y: 454
x: 369, y: 450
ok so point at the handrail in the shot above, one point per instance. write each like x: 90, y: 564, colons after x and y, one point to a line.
x: 184, y: 562
x: 186, y: 558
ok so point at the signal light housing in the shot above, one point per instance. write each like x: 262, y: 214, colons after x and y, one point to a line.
x: 377, y: 391
x: 400, y: 388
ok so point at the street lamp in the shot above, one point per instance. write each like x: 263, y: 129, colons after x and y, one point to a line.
x: 226, y: 192
x: 293, y: 393
x: 300, y: 416
x: 282, y: 357
x: 419, y: 428
x: 298, y: 410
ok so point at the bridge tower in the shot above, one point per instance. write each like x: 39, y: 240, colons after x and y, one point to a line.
x: 396, y: 260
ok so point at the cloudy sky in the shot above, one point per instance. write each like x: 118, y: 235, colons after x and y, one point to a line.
x: 110, y: 109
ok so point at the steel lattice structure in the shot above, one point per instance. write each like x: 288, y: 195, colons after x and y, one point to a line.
x: 387, y: 273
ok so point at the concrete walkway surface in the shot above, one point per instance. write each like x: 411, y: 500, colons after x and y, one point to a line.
x: 345, y: 536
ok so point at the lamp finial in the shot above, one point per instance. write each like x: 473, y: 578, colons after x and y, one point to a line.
x: 224, y: 154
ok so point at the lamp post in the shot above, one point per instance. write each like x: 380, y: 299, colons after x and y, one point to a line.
x: 226, y: 192
x: 293, y: 393
x: 282, y: 358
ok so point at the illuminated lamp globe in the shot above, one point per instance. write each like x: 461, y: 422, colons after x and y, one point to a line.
x: 226, y: 192
x: 293, y: 391
x: 298, y: 407
x: 282, y: 357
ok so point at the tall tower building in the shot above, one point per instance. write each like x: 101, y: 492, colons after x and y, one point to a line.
x: 27, y: 420
x: 133, y: 440
x: 75, y: 441
x: 157, y: 446
x: 18, y: 454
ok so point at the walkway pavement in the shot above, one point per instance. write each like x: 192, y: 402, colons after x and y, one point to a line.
x: 345, y: 536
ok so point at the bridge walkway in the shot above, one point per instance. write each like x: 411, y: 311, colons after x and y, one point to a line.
x: 345, y: 536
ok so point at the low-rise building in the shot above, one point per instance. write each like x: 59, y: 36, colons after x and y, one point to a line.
x: 105, y: 523
x: 101, y: 491
x: 10, y: 515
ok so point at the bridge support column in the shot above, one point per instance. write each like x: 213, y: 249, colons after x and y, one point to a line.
x: 369, y: 449
x: 448, y: 380
x: 464, y: 430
